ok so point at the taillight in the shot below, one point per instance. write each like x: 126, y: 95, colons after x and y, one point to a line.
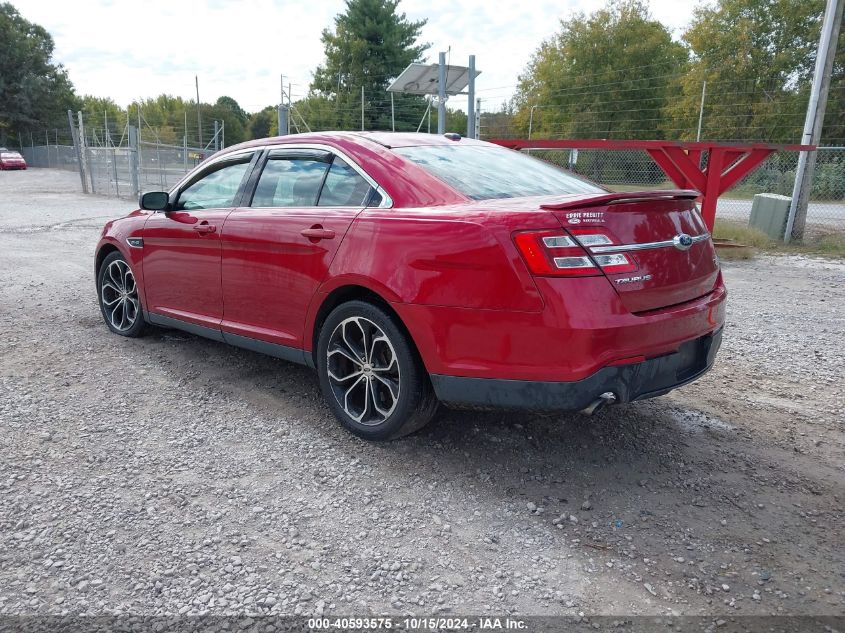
x: 555, y: 253
x: 610, y: 263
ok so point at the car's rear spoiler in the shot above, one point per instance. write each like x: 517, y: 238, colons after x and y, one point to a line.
x: 621, y: 197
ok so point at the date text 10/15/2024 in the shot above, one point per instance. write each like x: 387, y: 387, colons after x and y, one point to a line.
x: 418, y: 624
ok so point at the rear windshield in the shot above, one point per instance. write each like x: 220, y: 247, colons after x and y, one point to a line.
x: 10, y: 155
x: 487, y: 172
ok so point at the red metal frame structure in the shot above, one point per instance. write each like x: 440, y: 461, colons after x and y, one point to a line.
x: 727, y: 163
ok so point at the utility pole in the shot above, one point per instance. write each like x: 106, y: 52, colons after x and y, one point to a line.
x: 199, y: 117
x: 362, y: 108
x: 441, y: 95
x: 478, y: 118
x: 392, y: 115
x: 282, y: 115
x: 290, y: 107
x: 471, y: 99
x: 701, y: 111
x: 815, y: 120
x: 531, y: 121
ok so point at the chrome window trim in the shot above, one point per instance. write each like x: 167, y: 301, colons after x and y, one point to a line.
x: 386, y: 200
x: 623, y: 248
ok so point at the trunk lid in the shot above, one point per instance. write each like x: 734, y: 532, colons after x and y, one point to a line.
x: 660, y: 231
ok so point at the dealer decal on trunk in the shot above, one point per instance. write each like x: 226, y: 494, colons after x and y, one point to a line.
x: 577, y: 217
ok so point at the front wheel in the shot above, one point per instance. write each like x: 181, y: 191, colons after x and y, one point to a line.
x: 371, y: 375
x: 118, y: 296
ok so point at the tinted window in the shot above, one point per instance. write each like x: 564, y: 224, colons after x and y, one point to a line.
x: 344, y: 187
x: 216, y: 189
x: 485, y: 172
x: 289, y: 182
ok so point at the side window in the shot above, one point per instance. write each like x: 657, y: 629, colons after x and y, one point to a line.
x: 216, y: 189
x: 344, y: 187
x: 290, y: 182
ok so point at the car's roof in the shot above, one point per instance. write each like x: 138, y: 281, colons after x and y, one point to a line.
x: 410, y: 139
x: 385, y: 139
x: 405, y: 182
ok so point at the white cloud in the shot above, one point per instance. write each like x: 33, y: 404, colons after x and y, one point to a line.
x: 126, y: 50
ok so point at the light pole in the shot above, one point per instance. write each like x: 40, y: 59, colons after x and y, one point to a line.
x: 531, y: 121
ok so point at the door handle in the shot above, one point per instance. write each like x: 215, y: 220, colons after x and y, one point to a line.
x: 317, y: 233
x: 205, y: 228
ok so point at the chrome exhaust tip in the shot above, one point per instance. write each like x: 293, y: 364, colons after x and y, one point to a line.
x: 599, y: 403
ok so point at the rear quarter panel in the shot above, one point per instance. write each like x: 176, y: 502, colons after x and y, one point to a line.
x: 454, y: 257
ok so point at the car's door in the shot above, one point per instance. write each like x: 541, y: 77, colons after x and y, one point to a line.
x: 182, y: 252
x: 277, y: 250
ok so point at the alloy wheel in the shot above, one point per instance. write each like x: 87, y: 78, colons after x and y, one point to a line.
x: 119, y: 296
x: 363, y: 371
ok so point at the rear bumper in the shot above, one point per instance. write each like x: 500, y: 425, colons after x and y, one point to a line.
x: 638, y: 381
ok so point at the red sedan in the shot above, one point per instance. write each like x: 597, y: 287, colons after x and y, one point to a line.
x: 409, y: 269
x: 11, y: 160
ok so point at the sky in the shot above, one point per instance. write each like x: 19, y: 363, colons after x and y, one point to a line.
x: 126, y: 50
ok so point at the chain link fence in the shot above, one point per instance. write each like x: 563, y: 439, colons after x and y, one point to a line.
x: 123, y: 170
x: 112, y: 171
x: 629, y: 170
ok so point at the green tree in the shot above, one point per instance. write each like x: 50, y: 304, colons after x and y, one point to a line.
x: 100, y: 112
x: 757, y: 59
x: 263, y: 123
x: 602, y: 75
x: 228, y: 103
x: 34, y: 92
x: 234, y: 120
x: 370, y: 45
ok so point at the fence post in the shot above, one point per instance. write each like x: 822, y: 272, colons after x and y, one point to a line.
x: 216, y: 135
x: 83, y: 148
x: 75, y: 135
x: 185, y: 152
x: 134, y: 179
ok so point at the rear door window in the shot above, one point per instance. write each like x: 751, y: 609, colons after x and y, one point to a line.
x: 344, y: 187
x: 290, y: 181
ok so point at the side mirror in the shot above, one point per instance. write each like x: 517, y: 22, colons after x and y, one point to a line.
x: 155, y: 201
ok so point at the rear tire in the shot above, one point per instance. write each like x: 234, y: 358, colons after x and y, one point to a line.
x: 371, y: 375
x: 118, y: 297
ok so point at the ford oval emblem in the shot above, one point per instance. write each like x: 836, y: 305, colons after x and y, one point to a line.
x: 682, y: 242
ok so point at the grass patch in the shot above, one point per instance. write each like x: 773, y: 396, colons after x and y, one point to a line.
x: 742, y: 234
x: 824, y: 243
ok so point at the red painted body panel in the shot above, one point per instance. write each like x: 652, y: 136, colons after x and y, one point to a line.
x: 452, y: 256
x: 271, y: 271
x: 12, y: 163
x: 677, y: 276
x: 584, y: 327
x: 448, y: 266
x: 182, y: 265
x: 115, y: 234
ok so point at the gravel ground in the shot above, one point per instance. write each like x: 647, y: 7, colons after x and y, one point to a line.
x: 172, y: 475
